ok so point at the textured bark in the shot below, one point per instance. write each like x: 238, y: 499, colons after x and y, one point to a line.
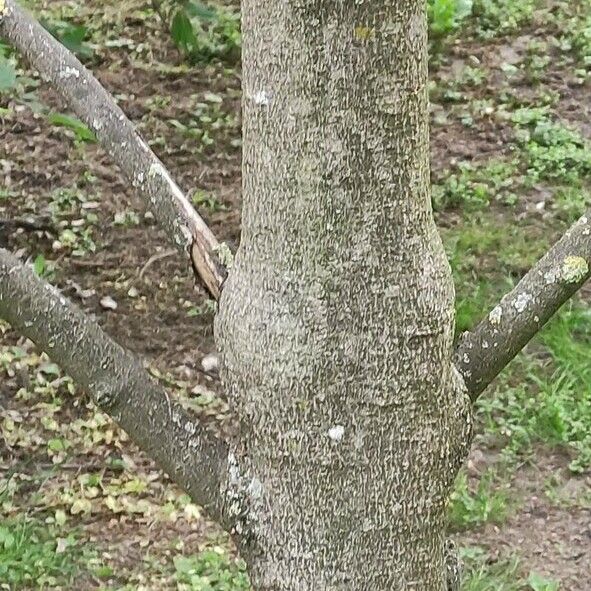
x: 118, y: 383
x: 335, y: 323
x: 483, y: 352
x: 97, y: 108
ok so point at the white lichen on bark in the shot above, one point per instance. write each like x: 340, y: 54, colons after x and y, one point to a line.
x: 495, y: 315
x: 522, y: 301
x: 522, y: 312
x: 225, y: 255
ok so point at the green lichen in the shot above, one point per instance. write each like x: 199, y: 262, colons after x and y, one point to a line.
x: 363, y: 33
x: 574, y: 269
x: 225, y: 255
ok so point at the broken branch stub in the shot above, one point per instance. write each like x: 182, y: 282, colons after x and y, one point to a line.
x: 117, y: 135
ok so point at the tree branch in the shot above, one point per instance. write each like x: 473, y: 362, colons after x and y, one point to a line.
x: 482, y: 353
x: 115, y: 378
x: 96, y: 107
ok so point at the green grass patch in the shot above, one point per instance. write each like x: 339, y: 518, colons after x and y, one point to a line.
x: 500, y: 17
x: 551, y: 403
x: 211, y: 570
x: 481, y: 573
x: 488, y: 254
x: 473, y: 187
x: 486, y: 503
x: 34, y: 555
x: 549, y: 152
x: 553, y: 151
x: 445, y: 16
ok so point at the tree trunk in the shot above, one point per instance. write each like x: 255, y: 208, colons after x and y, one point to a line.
x: 336, y: 321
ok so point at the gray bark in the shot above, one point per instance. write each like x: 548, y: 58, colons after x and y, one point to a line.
x: 484, y: 351
x: 117, y: 382
x: 335, y: 323
x: 97, y: 108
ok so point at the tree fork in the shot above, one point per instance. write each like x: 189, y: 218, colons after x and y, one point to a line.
x: 336, y: 339
x: 478, y: 362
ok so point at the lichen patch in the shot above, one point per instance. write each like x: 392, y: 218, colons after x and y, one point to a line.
x: 522, y: 301
x: 574, y: 269
x: 496, y: 315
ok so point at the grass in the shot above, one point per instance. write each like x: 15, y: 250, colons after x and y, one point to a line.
x: 35, y: 555
x: 486, y: 503
x: 486, y: 18
x: 482, y: 573
x: 552, y: 150
x: 550, y: 403
x: 541, y: 402
x: 548, y: 151
x: 493, y: 18
x: 211, y: 570
x: 488, y: 253
x: 474, y: 187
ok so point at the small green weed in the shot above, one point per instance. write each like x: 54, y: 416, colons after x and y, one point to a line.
x: 487, y: 503
x: 570, y: 203
x: 212, y: 570
x: 126, y: 219
x: 576, y: 35
x: 474, y: 187
x: 207, y: 121
x: 71, y: 36
x: 482, y: 573
x: 44, y: 268
x: 446, y: 15
x: 499, y: 17
x: 72, y: 213
x: 33, y: 555
x: 202, y: 33
x: 539, y: 583
x: 208, y: 201
x: 8, y: 72
x: 561, y: 492
x: 204, y: 309
x: 15, y: 83
x: 81, y: 131
x: 552, y: 151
